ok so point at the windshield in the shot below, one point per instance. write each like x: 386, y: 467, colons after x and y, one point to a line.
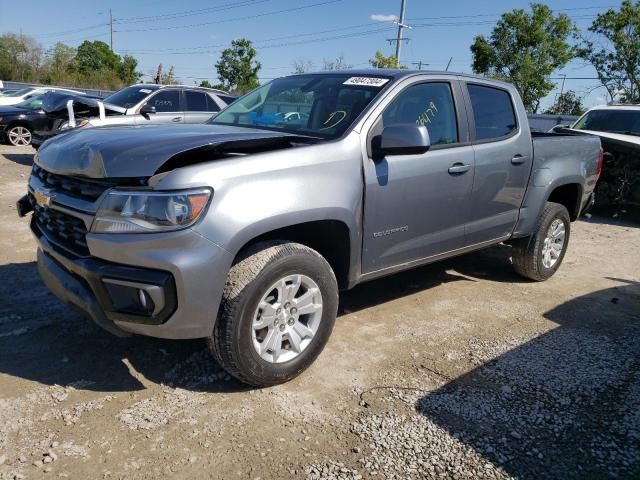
x: 322, y: 105
x: 130, y: 96
x: 21, y: 92
x: 34, y: 103
x: 610, y: 120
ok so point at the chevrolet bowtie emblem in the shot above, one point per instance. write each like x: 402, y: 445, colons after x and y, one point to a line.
x: 44, y: 197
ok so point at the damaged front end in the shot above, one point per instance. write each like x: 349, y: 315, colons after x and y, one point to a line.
x: 619, y: 183
x: 65, y: 112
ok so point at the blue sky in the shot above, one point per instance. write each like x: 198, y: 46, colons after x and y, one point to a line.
x: 191, y: 33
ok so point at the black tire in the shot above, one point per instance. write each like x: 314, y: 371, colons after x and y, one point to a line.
x: 252, y: 274
x: 527, y: 252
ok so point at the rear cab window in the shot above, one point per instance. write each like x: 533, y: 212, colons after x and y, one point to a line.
x: 493, y: 112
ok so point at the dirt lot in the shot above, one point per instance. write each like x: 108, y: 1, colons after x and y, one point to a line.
x: 457, y: 370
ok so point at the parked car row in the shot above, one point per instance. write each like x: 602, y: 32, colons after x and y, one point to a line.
x: 35, y: 114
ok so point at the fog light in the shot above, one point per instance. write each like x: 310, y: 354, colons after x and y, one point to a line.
x: 133, y: 297
x: 146, y: 301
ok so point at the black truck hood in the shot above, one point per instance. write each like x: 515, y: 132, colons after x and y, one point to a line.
x: 142, y: 151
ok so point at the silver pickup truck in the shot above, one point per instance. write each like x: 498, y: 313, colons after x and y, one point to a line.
x: 243, y: 230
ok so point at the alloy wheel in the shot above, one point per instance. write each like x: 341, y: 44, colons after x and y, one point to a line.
x: 553, y: 243
x: 287, y: 318
x: 19, y: 136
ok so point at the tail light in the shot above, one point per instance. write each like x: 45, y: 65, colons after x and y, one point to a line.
x: 600, y: 162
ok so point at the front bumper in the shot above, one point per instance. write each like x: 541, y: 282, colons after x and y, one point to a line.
x: 181, y: 273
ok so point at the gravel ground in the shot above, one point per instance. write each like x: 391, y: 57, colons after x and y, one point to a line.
x: 456, y: 370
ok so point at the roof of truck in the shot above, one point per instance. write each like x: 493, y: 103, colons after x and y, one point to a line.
x: 397, y: 74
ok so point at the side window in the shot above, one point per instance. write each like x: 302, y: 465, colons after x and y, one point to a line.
x: 228, y: 99
x: 428, y: 104
x: 492, y: 111
x: 166, y: 101
x: 196, y: 101
x: 212, y: 106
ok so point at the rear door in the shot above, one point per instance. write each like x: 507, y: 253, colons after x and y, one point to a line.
x: 416, y: 206
x: 199, y: 106
x: 503, y: 157
x: 168, y: 105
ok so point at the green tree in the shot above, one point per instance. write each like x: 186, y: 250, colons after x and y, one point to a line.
x: 568, y: 103
x: 96, y: 57
x: 525, y: 48
x: 127, y: 70
x: 381, y: 61
x: 616, y: 53
x: 238, y: 68
x: 60, y: 65
x: 205, y: 84
x: 20, y: 58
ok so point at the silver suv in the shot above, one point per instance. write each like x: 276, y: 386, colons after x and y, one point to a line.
x: 143, y: 104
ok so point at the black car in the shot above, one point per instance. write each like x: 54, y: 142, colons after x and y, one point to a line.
x: 17, y: 122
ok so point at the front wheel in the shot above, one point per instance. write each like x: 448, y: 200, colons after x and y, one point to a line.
x: 278, y: 310
x: 538, y: 257
x: 19, y: 136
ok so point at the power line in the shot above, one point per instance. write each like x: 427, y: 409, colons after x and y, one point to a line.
x: 480, y: 15
x: 285, y: 44
x: 259, y: 15
x: 189, y: 13
x: 70, y: 32
x: 285, y: 37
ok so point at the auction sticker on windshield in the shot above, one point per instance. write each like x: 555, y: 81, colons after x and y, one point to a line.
x: 368, y: 81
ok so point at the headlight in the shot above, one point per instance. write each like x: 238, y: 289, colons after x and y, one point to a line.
x: 65, y: 125
x: 149, y: 212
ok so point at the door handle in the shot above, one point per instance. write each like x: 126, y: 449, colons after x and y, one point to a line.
x: 459, y: 168
x: 518, y: 159
x: 176, y: 119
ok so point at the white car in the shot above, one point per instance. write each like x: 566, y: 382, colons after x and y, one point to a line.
x: 29, y: 92
x: 615, y: 121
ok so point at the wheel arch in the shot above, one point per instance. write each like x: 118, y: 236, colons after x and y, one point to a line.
x: 330, y: 237
x: 569, y: 195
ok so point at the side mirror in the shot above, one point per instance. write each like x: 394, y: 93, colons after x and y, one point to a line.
x: 147, y: 109
x: 401, y: 139
x: 558, y: 128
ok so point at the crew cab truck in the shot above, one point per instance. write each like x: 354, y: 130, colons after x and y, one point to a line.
x: 243, y: 230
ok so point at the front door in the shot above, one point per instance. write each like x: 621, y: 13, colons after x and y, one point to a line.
x: 168, y: 108
x: 416, y: 206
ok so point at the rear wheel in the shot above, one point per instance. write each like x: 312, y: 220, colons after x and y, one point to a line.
x: 278, y: 310
x: 19, y: 136
x: 538, y: 257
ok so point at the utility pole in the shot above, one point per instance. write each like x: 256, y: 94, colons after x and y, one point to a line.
x: 420, y: 63
x: 111, y: 27
x: 401, y: 25
x: 564, y: 78
x: 448, y: 64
